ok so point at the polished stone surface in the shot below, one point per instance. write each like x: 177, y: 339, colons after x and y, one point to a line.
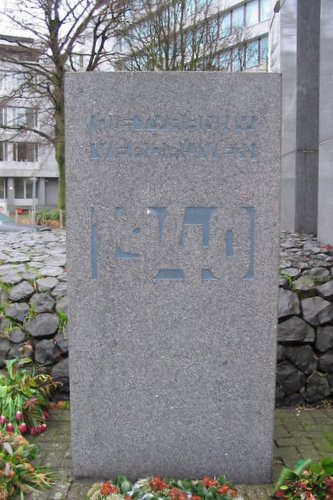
x: 325, y: 200
x: 173, y: 208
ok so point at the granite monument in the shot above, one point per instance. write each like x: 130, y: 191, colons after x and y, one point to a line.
x: 173, y: 229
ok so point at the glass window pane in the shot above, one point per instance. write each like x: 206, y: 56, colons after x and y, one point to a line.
x: 2, y: 187
x: 252, y: 54
x: 3, y: 151
x: 263, y: 49
x: 28, y: 188
x: 252, y: 13
x: 238, y: 59
x: 225, y: 61
x: 225, y: 25
x: 19, y: 187
x: 265, y: 9
x: 238, y: 18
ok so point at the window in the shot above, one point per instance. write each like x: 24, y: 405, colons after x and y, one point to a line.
x: 257, y: 52
x: 2, y: 188
x: 25, y: 151
x: 238, y: 59
x: 252, y: 13
x: 263, y: 48
x: 24, y: 117
x: 265, y: 10
x: 23, y: 188
x: 225, y: 61
x: 238, y: 18
x: 3, y: 116
x: 225, y: 29
x: 3, y: 151
x: 252, y: 54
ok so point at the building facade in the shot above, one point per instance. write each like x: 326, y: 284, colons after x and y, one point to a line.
x: 28, y: 171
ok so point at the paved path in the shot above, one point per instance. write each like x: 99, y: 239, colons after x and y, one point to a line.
x: 298, y: 434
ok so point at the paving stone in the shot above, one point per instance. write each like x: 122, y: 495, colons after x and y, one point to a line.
x: 21, y: 291
x: 42, y: 302
x: 11, y: 279
x: 17, y: 336
x: 45, y: 284
x: 17, y: 311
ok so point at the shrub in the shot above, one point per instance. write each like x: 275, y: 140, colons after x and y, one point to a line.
x: 24, y: 398
x: 46, y: 216
x: 157, y: 488
x: 307, y: 480
x: 17, y: 475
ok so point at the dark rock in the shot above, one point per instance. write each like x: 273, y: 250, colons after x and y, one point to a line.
x: 46, y: 353
x: 295, y: 329
x: 317, y: 311
x: 42, y: 326
x: 288, y: 303
x: 326, y: 290
x: 14, y: 351
x: 4, y: 349
x: 324, y: 338
x: 17, y: 311
x: 317, y: 388
x: 21, y: 291
x: 280, y: 353
x: 60, y: 373
x: 289, y: 378
x: 42, y: 302
x: 330, y: 380
x: 17, y: 336
x: 326, y: 362
x: 293, y: 400
x: 62, y: 305
x: 62, y: 343
x: 279, y: 396
x: 303, y: 358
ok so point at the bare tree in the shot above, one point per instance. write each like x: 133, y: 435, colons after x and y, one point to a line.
x: 181, y: 35
x: 59, y: 33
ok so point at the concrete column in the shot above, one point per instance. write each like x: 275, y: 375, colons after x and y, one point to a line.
x: 41, y: 192
x: 307, y: 115
x: 10, y: 195
x: 325, y: 199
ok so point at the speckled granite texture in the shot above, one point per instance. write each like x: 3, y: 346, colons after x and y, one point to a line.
x: 173, y: 242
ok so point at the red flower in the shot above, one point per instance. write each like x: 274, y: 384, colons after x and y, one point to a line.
x: 279, y: 494
x: 177, y: 494
x: 157, y: 484
x: 196, y: 497
x: 108, y: 489
x: 208, y: 483
x: 223, y: 490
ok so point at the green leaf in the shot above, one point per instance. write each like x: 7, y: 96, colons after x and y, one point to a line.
x: 3, y: 391
x: 301, y: 466
x: 284, y: 474
x: 125, y: 486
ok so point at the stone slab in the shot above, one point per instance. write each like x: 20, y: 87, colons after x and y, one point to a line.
x: 173, y: 239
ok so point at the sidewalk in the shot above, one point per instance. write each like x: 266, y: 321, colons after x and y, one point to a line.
x: 298, y: 434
